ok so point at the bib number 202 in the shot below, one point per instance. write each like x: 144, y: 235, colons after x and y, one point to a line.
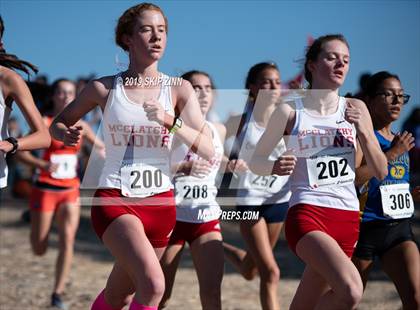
x: 332, y: 169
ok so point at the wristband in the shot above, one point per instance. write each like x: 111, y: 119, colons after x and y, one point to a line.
x: 15, y: 144
x: 176, y: 125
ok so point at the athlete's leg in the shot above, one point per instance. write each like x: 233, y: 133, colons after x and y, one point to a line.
x: 324, y: 256
x: 40, y: 227
x: 169, y: 262
x: 42, y: 206
x: 67, y: 216
x: 364, y: 266
x: 119, y: 290
x: 126, y: 239
x: 207, y: 254
x: 311, y: 287
x: 402, y: 264
x: 256, y: 236
x: 242, y: 260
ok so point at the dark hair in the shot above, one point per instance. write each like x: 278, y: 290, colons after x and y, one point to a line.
x: 57, y: 82
x: 188, y: 76
x: 12, y: 61
x: 255, y: 71
x: 375, y: 82
x: 47, y: 107
x: 316, y: 48
x: 128, y: 20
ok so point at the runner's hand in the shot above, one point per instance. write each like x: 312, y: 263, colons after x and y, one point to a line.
x: 72, y: 135
x: 402, y: 143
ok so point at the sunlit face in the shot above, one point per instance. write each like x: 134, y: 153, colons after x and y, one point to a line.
x: 63, y: 95
x: 330, y: 69
x: 267, y: 85
x: 204, y: 91
x: 148, y: 40
x: 387, y: 104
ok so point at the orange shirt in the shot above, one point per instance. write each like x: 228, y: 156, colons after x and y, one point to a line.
x: 65, y: 157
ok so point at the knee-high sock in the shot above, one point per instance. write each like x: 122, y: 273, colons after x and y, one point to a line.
x: 101, y: 304
x: 136, y: 306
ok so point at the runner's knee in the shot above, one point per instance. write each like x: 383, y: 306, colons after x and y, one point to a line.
x: 270, y: 274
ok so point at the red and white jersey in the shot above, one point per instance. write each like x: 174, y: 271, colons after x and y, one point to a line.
x: 137, y: 150
x: 325, y: 170
x: 196, y: 197
x: 4, y: 117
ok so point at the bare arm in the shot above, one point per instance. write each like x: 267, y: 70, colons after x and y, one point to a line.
x: 401, y: 144
x: 27, y: 158
x: 94, y: 94
x: 363, y: 172
x: 358, y: 114
x: 194, y: 132
x: 260, y: 163
x: 14, y: 87
x: 90, y: 136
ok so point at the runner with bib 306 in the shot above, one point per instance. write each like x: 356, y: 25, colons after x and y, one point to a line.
x: 387, y: 206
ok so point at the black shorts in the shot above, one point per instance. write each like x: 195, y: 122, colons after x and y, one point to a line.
x: 377, y: 237
x: 272, y: 213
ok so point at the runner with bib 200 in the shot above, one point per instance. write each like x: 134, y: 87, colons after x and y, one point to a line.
x: 322, y: 222
x: 387, y: 206
x: 133, y: 212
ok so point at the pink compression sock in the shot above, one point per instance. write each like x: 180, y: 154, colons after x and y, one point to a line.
x: 136, y: 306
x: 100, y: 303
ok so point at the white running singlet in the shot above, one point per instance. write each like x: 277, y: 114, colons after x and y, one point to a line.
x: 196, y: 197
x: 137, y: 150
x: 325, y: 170
x: 255, y: 189
x: 4, y: 117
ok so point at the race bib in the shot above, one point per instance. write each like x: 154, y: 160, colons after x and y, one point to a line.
x: 66, y: 166
x: 397, y: 202
x: 267, y: 183
x: 196, y: 192
x: 144, y: 179
x: 331, y: 170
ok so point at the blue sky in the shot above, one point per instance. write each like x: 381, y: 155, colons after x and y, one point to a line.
x: 224, y: 38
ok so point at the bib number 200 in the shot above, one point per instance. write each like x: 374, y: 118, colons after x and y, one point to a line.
x: 146, y: 179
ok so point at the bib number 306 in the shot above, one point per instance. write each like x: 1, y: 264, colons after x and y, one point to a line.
x: 397, y: 202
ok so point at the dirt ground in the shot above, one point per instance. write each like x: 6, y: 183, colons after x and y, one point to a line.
x: 26, y: 280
